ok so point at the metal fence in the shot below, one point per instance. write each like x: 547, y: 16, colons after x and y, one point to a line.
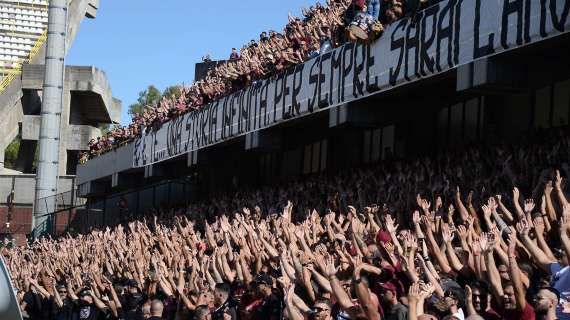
x: 75, y: 215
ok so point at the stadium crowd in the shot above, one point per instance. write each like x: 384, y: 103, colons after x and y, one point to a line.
x: 322, y: 28
x: 398, y: 240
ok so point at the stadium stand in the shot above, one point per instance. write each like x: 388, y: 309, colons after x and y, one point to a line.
x: 23, y: 27
x: 420, y: 176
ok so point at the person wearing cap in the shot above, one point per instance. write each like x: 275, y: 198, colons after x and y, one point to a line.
x: 545, y: 302
x: 393, y: 309
x: 132, y: 301
x: 271, y: 307
x: 88, y: 306
x: 225, y: 306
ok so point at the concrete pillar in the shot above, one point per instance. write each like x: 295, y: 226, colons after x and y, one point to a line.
x: 50, y: 135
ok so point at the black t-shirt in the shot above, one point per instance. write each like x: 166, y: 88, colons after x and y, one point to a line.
x: 90, y: 312
x: 36, y: 306
x: 229, y: 307
x: 65, y: 312
x: 271, y: 308
x: 132, y: 315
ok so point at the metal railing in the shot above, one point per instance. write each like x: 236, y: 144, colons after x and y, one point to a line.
x: 10, y: 75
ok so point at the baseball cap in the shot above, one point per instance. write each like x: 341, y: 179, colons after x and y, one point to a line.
x: 265, y: 279
x: 388, y: 286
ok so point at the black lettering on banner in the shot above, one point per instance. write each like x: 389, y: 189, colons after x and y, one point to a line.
x: 336, y: 63
x: 357, y: 84
x: 214, y: 122
x: 558, y: 24
x: 370, y: 87
x: 425, y: 60
x: 412, y: 43
x: 224, y: 118
x: 398, y: 44
x: 314, y: 80
x: 297, y: 85
x: 154, y: 144
x: 174, y: 136
x: 243, y: 114
x: 263, y: 103
x: 346, y: 68
x: 457, y: 30
x: 203, y: 122
x: 527, y: 9
x: 138, y: 150
x: 286, y: 112
x: 249, y: 108
x: 445, y: 32
x: 509, y: 8
x: 196, y: 127
x: 323, y: 99
x: 239, y: 109
x: 188, y: 128
x: 278, y: 93
x: 489, y: 48
x: 254, y: 98
x: 234, y: 113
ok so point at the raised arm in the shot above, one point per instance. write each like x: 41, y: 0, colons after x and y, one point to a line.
x: 514, y: 273
x: 537, y: 254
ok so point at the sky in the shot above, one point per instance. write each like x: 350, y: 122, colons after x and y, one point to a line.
x: 142, y: 42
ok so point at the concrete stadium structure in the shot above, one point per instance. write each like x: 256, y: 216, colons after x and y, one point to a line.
x: 88, y: 103
x: 489, y: 98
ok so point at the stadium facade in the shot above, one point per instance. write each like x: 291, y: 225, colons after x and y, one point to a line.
x: 88, y: 103
x: 461, y: 71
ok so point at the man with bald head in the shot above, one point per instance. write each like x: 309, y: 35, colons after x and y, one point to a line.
x: 545, y: 302
x: 156, y: 308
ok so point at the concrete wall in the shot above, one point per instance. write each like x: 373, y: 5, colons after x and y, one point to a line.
x: 115, y: 161
x: 24, y: 186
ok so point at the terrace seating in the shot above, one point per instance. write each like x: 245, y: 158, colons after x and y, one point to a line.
x: 22, y: 24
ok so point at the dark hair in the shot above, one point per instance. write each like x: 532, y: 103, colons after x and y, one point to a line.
x: 201, y: 312
x: 481, y: 286
x: 224, y: 287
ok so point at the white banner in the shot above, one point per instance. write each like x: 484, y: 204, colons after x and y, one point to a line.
x: 451, y: 33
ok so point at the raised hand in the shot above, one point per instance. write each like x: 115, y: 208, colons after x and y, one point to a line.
x: 528, y: 205
x: 558, y: 180
x: 414, y: 293
x: 416, y: 217
x: 486, y: 212
x: 462, y: 232
x: 512, y: 242
x: 516, y: 194
x: 538, y: 225
x: 523, y: 227
x: 565, y: 220
x: 484, y: 243
x: 492, y: 204
x: 330, y: 270
x: 446, y: 233
x: 390, y: 227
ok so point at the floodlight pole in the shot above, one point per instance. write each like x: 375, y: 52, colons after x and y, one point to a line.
x: 50, y: 129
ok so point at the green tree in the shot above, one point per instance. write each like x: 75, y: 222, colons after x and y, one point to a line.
x: 104, y: 127
x: 172, y: 90
x: 147, y: 97
x: 11, y: 153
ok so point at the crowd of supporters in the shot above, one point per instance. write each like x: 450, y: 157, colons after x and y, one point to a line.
x: 322, y: 28
x: 481, y: 233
